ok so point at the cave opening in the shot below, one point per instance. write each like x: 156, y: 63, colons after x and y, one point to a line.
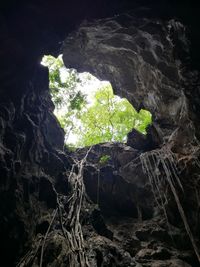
x: 109, y: 204
x: 87, y: 108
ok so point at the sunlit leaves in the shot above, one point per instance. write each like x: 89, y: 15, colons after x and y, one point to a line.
x: 62, y: 82
x: 107, y: 118
x: 77, y: 101
x: 144, y: 118
x: 110, y: 118
x: 65, y: 94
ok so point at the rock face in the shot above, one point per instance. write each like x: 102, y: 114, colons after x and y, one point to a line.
x: 146, y: 61
x: 140, y: 207
x: 138, y: 56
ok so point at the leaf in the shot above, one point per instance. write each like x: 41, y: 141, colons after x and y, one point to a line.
x: 108, y: 119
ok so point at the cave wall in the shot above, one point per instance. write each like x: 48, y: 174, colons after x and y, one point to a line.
x: 143, y: 59
x: 147, y: 60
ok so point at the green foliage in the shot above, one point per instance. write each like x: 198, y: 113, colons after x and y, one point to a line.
x: 77, y: 101
x: 108, y: 118
x: 67, y: 98
x: 144, y: 118
x: 104, y: 159
x: 63, y: 88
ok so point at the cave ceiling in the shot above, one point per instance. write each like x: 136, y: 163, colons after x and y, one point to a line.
x: 149, y: 50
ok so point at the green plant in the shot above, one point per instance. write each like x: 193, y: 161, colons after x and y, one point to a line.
x: 110, y: 118
x: 107, y: 118
x: 104, y: 159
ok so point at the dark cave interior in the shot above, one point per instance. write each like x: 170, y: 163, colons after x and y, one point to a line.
x: 62, y: 208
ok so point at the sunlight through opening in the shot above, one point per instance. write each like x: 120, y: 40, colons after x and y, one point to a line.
x: 87, y: 108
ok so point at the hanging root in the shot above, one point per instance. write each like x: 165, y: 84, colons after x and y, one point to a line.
x: 72, y: 226
x: 29, y: 257
x: 68, y: 214
x: 45, y: 237
x: 156, y: 162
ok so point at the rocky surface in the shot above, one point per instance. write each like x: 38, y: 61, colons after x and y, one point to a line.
x: 117, y: 217
x: 138, y: 57
x: 146, y: 61
x: 131, y: 218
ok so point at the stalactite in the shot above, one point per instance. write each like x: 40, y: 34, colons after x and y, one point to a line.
x: 167, y: 163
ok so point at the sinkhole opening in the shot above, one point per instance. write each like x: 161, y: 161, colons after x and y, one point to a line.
x: 88, y: 110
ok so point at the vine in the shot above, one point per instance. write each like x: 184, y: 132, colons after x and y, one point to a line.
x: 68, y: 214
x: 154, y: 164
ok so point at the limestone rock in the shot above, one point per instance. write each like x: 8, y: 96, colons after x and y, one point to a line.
x: 146, y: 60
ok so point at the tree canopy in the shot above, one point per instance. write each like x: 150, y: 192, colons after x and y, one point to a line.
x: 104, y: 118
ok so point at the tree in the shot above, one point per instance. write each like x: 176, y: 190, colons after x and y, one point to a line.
x: 63, y: 84
x: 108, y: 118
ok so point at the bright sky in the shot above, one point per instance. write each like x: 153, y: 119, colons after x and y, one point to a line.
x: 88, y: 85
